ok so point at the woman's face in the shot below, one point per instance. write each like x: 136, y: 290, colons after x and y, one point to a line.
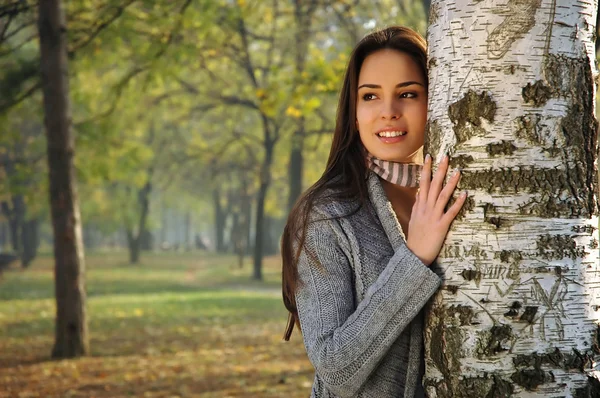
x: 391, y: 108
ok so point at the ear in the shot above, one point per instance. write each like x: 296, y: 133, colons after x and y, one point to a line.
x: 356, y: 124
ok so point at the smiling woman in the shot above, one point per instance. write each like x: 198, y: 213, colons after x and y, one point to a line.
x: 391, y: 111
x: 358, y: 244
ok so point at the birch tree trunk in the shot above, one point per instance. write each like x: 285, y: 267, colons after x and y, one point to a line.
x: 512, y: 101
x: 71, y: 338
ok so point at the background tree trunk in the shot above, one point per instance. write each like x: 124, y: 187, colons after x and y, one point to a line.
x: 265, y: 181
x: 220, y: 222
x: 14, y: 211
x: 31, y: 241
x: 512, y: 100
x: 296, y: 165
x: 136, y: 238
x: 71, y: 337
x: 187, y: 235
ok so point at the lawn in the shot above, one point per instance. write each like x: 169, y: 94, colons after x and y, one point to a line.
x: 177, y: 325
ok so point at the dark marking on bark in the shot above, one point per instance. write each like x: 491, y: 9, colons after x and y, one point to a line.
x: 513, y: 310
x: 577, y: 360
x: 596, y: 341
x: 553, y: 206
x: 452, y: 288
x: 493, y: 341
x: 548, y: 270
x: 565, y: 74
x: 572, y: 78
x: 462, y: 252
x: 471, y: 275
x: 445, y: 346
x: 591, y: 390
x: 556, y: 359
x: 519, y: 20
x: 434, y: 13
x: 557, y: 247
x: 463, y: 313
x: 461, y: 161
x: 582, y: 175
x: 468, y: 206
x: 496, y: 221
x: 554, y: 183
x: 594, y: 244
x: 529, y: 314
x: 529, y: 128
x: 466, y: 114
x: 530, y: 379
x: 434, y: 138
x: 432, y: 63
x: 487, y: 208
x: 485, y: 386
x: 537, y: 93
x: 587, y: 229
x: 512, y: 257
x: 501, y: 148
x: 488, y: 387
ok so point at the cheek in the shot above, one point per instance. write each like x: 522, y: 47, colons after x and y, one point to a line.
x: 363, y: 116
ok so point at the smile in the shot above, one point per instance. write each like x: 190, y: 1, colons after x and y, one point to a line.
x: 391, y: 134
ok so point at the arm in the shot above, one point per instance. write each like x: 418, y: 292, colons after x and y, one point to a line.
x: 345, y: 342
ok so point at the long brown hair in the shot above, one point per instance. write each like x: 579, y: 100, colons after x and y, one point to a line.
x: 345, y: 174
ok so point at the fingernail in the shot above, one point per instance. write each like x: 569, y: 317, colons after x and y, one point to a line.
x: 455, y: 172
x: 427, y: 158
x: 464, y: 194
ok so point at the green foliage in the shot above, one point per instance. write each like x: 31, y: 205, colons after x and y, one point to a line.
x: 189, y: 96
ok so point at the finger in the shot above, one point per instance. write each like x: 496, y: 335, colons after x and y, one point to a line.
x: 425, y: 180
x: 437, y: 183
x: 452, y: 212
x: 416, y: 204
x: 446, y: 193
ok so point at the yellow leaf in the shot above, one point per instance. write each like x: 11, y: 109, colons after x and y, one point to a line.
x: 293, y: 112
x: 312, y: 104
x: 261, y: 94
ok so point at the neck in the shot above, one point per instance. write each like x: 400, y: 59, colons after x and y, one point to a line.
x: 402, y: 200
x: 397, y: 192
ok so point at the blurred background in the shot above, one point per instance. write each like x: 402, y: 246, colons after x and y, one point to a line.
x: 197, y: 125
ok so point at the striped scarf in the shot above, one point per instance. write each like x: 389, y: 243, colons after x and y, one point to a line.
x: 403, y: 174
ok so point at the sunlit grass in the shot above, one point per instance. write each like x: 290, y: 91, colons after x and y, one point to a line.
x: 189, y: 324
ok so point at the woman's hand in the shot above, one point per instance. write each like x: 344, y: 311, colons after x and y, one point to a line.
x: 429, y: 224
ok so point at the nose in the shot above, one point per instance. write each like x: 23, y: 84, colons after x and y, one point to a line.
x: 391, y: 110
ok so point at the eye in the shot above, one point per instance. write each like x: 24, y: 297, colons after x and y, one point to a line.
x: 408, y: 95
x: 368, y: 97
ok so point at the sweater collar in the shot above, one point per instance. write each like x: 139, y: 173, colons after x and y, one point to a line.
x: 385, y: 212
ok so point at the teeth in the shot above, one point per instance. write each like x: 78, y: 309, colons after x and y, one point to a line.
x: 390, y: 134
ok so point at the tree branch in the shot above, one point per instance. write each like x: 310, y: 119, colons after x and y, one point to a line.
x: 99, y: 28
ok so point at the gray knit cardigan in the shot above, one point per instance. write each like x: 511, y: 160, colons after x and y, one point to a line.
x: 359, y: 301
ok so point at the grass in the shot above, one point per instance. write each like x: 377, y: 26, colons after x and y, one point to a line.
x: 177, y: 325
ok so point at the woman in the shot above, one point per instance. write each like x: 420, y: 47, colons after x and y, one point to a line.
x: 358, y: 244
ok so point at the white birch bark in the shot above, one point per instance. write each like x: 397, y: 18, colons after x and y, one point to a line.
x: 512, y: 100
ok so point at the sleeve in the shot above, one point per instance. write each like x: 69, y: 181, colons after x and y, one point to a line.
x: 345, y: 342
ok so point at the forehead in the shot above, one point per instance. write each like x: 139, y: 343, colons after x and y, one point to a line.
x: 386, y: 65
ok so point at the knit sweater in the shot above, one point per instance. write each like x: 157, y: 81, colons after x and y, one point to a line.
x: 359, y: 301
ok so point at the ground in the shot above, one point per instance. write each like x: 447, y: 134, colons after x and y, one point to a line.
x: 177, y: 325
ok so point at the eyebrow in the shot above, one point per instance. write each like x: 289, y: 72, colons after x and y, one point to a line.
x: 399, y: 85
